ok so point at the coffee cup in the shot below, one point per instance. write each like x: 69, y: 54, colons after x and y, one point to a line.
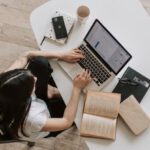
x: 83, y: 13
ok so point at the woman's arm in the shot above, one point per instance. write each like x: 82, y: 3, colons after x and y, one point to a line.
x: 68, y: 56
x: 70, y: 112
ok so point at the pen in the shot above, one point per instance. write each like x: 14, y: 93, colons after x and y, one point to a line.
x: 42, y: 40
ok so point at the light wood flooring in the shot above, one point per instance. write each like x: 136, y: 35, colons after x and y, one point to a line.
x: 16, y: 35
x: 146, y: 4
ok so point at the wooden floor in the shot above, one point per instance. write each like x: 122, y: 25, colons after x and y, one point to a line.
x: 146, y: 4
x: 16, y: 35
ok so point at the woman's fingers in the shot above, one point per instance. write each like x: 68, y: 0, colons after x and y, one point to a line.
x: 76, y: 59
x: 82, y: 79
x: 89, y: 74
x: 86, y: 74
x: 78, y: 52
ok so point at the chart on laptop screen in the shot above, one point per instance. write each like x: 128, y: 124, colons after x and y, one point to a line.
x: 107, y: 47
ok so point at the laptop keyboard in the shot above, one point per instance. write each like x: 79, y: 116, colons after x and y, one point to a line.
x: 98, y: 72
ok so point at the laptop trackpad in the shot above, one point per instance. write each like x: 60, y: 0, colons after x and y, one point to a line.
x: 72, y: 69
x: 75, y: 70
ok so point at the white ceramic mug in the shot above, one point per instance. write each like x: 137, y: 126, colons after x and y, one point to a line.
x: 83, y: 13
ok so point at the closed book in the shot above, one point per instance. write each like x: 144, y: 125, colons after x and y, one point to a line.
x: 132, y: 83
x: 134, y: 115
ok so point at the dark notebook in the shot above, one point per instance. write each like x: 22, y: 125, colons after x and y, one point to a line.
x: 132, y: 83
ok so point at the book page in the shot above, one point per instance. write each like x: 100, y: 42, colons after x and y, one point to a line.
x: 102, y: 104
x: 98, y: 126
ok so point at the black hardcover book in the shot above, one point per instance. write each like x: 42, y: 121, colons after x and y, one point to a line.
x: 132, y: 83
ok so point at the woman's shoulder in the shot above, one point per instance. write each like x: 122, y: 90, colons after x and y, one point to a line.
x: 37, y: 115
x: 38, y: 106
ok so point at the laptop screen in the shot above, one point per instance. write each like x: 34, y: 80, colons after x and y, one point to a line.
x: 107, y: 47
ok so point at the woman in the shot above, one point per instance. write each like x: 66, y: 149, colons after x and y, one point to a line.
x: 22, y: 114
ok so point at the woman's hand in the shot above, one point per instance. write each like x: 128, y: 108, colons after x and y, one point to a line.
x: 57, y: 124
x: 82, y: 80
x: 71, y: 56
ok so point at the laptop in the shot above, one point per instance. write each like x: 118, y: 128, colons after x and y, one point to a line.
x: 104, y: 57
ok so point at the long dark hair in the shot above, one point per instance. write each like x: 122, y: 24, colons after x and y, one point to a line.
x: 16, y: 87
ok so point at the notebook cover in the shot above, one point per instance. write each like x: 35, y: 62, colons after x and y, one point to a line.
x: 126, y: 89
x: 69, y: 22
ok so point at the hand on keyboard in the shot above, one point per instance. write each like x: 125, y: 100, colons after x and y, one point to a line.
x: 71, y: 56
x: 82, y: 79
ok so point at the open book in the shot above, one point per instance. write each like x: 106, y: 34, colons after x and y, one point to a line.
x: 100, y: 114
